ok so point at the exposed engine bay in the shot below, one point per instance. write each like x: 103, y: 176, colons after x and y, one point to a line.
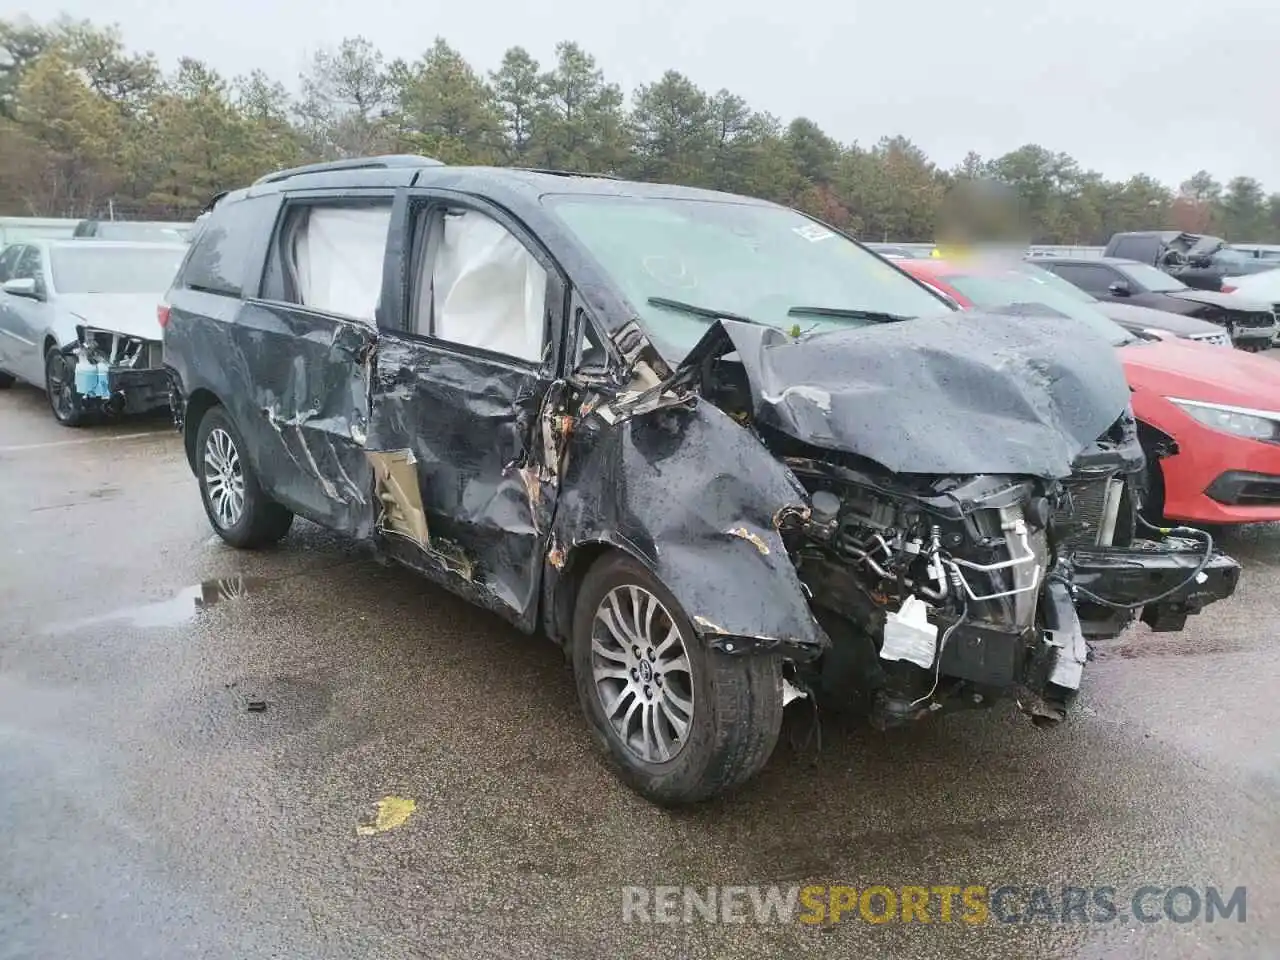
x: 118, y: 372
x: 945, y: 591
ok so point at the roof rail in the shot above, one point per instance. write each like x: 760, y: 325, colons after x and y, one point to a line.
x: 569, y: 173
x: 388, y: 161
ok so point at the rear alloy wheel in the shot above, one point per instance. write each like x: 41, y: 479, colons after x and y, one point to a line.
x: 60, y: 385
x: 681, y: 721
x: 240, y: 512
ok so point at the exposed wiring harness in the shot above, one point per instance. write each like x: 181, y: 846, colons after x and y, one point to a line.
x: 1164, y: 532
x: 942, y: 645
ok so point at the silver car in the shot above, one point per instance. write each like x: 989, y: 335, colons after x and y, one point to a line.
x: 79, y: 318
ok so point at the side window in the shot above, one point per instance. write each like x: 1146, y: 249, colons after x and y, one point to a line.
x: 479, y: 286
x: 1104, y: 277
x: 9, y: 260
x: 1091, y: 279
x: 329, y: 257
x: 1136, y: 248
x: 28, y: 266
x: 219, y: 257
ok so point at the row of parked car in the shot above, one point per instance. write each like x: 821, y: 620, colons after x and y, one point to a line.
x: 723, y: 455
x: 1198, y: 293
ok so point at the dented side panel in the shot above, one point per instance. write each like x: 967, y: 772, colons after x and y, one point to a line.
x: 698, y: 499
x: 472, y: 427
x: 297, y: 385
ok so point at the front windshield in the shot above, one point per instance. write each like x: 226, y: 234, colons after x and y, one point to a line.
x: 1018, y: 291
x: 1157, y: 281
x: 763, y: 263
x: 89, y: 268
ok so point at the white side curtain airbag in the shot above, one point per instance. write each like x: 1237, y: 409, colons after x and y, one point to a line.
x: 339, y: 253
x: 489, y: 290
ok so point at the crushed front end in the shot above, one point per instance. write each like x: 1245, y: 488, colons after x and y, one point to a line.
x: 117, y: 372
x: 973, y: 507
x: 944, y: 592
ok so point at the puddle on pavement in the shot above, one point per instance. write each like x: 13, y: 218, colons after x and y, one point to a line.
x: 1163, y: 645
x: 179, y: 609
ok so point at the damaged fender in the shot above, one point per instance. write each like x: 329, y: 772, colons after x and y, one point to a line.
x: 697, y: 499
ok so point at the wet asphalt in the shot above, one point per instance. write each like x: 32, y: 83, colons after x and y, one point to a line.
x: 184, y: 768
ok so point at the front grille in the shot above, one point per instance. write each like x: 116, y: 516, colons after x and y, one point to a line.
x: 1243, y: 489
x: 1252, y: 319
x: 121, y: 350
x: 1259, y: 493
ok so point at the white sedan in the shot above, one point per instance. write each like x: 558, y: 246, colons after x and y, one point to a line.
x: 78, y: 318
x: 1264, y: 286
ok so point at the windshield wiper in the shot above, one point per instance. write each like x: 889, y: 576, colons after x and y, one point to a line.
x: 705, y: 312
x: 847, y: 313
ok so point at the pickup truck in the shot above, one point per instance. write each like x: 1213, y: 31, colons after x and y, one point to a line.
x: 1199, y: 261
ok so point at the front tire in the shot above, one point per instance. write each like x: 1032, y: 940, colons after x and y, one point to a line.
x: 60, y: 386
x: 240, y: 512
x: 680, y: 721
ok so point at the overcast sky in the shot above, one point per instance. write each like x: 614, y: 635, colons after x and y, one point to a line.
x: 1164, y: 87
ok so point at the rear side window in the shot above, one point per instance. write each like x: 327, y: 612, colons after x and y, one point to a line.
x: 329, y: 257
x: 8, y: 260
x: 219, y: 258
x: 30, y: 265
x: 1136, y: 248
x: 1093, y: 279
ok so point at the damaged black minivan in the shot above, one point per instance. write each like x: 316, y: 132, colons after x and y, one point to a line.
x: 721, y: 453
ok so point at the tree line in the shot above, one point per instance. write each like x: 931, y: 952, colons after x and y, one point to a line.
x: 88, y: 126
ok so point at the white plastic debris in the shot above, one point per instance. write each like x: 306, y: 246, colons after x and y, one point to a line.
x: 908, y: 634
x: 791, y: 692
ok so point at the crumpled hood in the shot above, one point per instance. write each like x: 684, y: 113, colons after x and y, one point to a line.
x: 1193, y: 371
x: 964, y: 393
x: 131, y: 313
x: 1228, y: 301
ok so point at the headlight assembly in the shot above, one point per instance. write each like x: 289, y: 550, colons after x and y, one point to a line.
x: 1241, y: 421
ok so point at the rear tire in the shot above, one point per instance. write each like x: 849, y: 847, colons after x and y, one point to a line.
x: 7, y: 380
x: 734, y: 703
x: 240, y: 512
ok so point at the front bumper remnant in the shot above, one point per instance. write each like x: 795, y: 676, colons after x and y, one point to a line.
x: 119, y: 373
x: 138, y: 391
x: 1130, y: 575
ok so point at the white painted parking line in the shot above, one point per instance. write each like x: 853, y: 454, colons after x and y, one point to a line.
x: 19, y: 448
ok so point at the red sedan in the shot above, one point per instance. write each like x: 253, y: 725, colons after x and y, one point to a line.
x: 1217, y: 410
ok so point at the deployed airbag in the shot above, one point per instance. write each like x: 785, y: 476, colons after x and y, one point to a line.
x: 340, y: 252
x: 489, y: 291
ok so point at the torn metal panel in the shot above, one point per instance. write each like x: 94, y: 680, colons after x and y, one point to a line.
x: 396, y: 484
x: 481, y: 433
x: 298, y: 385
x: 678, y: 488
x: 929, y: 395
